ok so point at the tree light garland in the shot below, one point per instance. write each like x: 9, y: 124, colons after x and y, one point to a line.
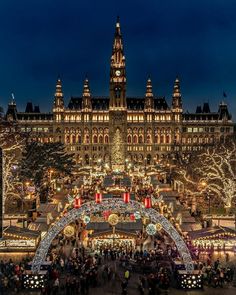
x: 111, y: 204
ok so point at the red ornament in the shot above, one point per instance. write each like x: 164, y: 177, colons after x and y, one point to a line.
x: 77, y: 202
x: 106, y: 214
x: 132, y: 217
x: 148, y: 202
x: 126, y: 197
x: 98, y: 198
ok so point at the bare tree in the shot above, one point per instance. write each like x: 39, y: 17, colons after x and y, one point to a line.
x: 12, y: 143
x: 210, y: 170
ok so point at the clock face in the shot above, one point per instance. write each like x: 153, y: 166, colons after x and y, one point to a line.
x: 118, y: 73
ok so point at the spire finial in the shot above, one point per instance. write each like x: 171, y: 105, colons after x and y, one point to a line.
x: 176, y: 97
x: 117, y: 21
x: 86, y: 90
x: 149, y: 87
x: 13, y: 102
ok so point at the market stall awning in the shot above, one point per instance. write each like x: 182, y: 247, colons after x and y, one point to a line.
x: 212, y: 232
x: 20, y: 233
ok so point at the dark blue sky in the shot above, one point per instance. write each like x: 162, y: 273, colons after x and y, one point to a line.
x: 195, y: 39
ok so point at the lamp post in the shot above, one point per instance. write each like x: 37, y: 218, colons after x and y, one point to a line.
x: 99, y: 163
x: 145, y: 165
x: 126, y: 164
x: 91, y: 164
x: 50, y: 175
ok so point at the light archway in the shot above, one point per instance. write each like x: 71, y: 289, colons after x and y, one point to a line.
x: 111, y: 204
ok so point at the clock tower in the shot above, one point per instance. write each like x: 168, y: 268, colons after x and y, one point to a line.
x: 117, y: 73
x: 117, y: 103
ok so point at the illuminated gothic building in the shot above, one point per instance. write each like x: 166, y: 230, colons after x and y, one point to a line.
x: 120, y: 129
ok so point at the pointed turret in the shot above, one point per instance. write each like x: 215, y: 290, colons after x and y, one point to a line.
x: 58, y: 97
x: 86, y: 103
x: 224, y: 112
x: 11, y: 114
x: 58, y: 106
x: 149, y: 102
x: 176, y: 97
x: 117, y: 72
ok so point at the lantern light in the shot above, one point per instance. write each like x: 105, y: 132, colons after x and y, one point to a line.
x: 126, y: 197
x: 98, y: 198
x: 77, y: 202
x: 148, y: 203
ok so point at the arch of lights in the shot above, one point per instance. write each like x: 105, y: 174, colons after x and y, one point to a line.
x: 89, y: 208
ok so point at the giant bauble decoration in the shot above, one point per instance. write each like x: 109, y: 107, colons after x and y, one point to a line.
x: 151, y: 229
x: 69, y: 231
x: 113, y: 219
x: 86, y: 219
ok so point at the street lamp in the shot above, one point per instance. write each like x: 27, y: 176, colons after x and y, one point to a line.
x: 208, y: 197
x: 145, y: 165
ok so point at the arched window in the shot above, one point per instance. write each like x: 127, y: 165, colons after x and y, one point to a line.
x: 149, y: 138
x: 95, y: 139
x: 100, y: 139
x: 167, y: 138
x: 129, y: 138
x: 68, y: 139
x: 73, y: 139
x: 117, y: 92
x: 140, y: 139
x: 87, y: 138
x: 162, y: 138
x: 156, y: 138
x: 135, y: 139
x: 106, y: 138
x: 79, y: 138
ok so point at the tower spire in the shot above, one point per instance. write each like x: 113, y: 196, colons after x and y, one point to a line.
x: 86, y: 103
x: 58, y: 96
x: 149, y: 102
x: 176, y: 97
x: 117, y: 72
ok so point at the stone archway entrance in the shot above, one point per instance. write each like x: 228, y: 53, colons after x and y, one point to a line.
x: 111, y: 204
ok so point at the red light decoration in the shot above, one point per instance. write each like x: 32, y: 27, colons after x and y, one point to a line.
x: 132, y: 217
x: 98, y: 198
x: 126, y: 197
x: 106, y: 214
x: 77, y: 202
x: 148, y: 202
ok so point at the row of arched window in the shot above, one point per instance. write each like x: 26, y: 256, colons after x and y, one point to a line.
x: 77, y: 138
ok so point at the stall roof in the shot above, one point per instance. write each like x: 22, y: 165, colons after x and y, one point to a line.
x: 104, y: 226
x: 38, y: 226
x: 109, y: 232
x: 211, y: 232
x: 45, y: 208
x: 20, y: 233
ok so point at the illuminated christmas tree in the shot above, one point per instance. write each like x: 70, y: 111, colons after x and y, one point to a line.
x: 117, y: 149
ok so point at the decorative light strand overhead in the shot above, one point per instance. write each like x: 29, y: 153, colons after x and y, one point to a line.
x: 111, y: 204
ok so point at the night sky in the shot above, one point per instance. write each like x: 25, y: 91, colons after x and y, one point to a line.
x: 195, y: 40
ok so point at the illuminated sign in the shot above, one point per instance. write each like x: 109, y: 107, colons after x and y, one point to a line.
x: 17, y: 244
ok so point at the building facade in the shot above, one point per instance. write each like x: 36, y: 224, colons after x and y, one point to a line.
x: 120, y: 129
